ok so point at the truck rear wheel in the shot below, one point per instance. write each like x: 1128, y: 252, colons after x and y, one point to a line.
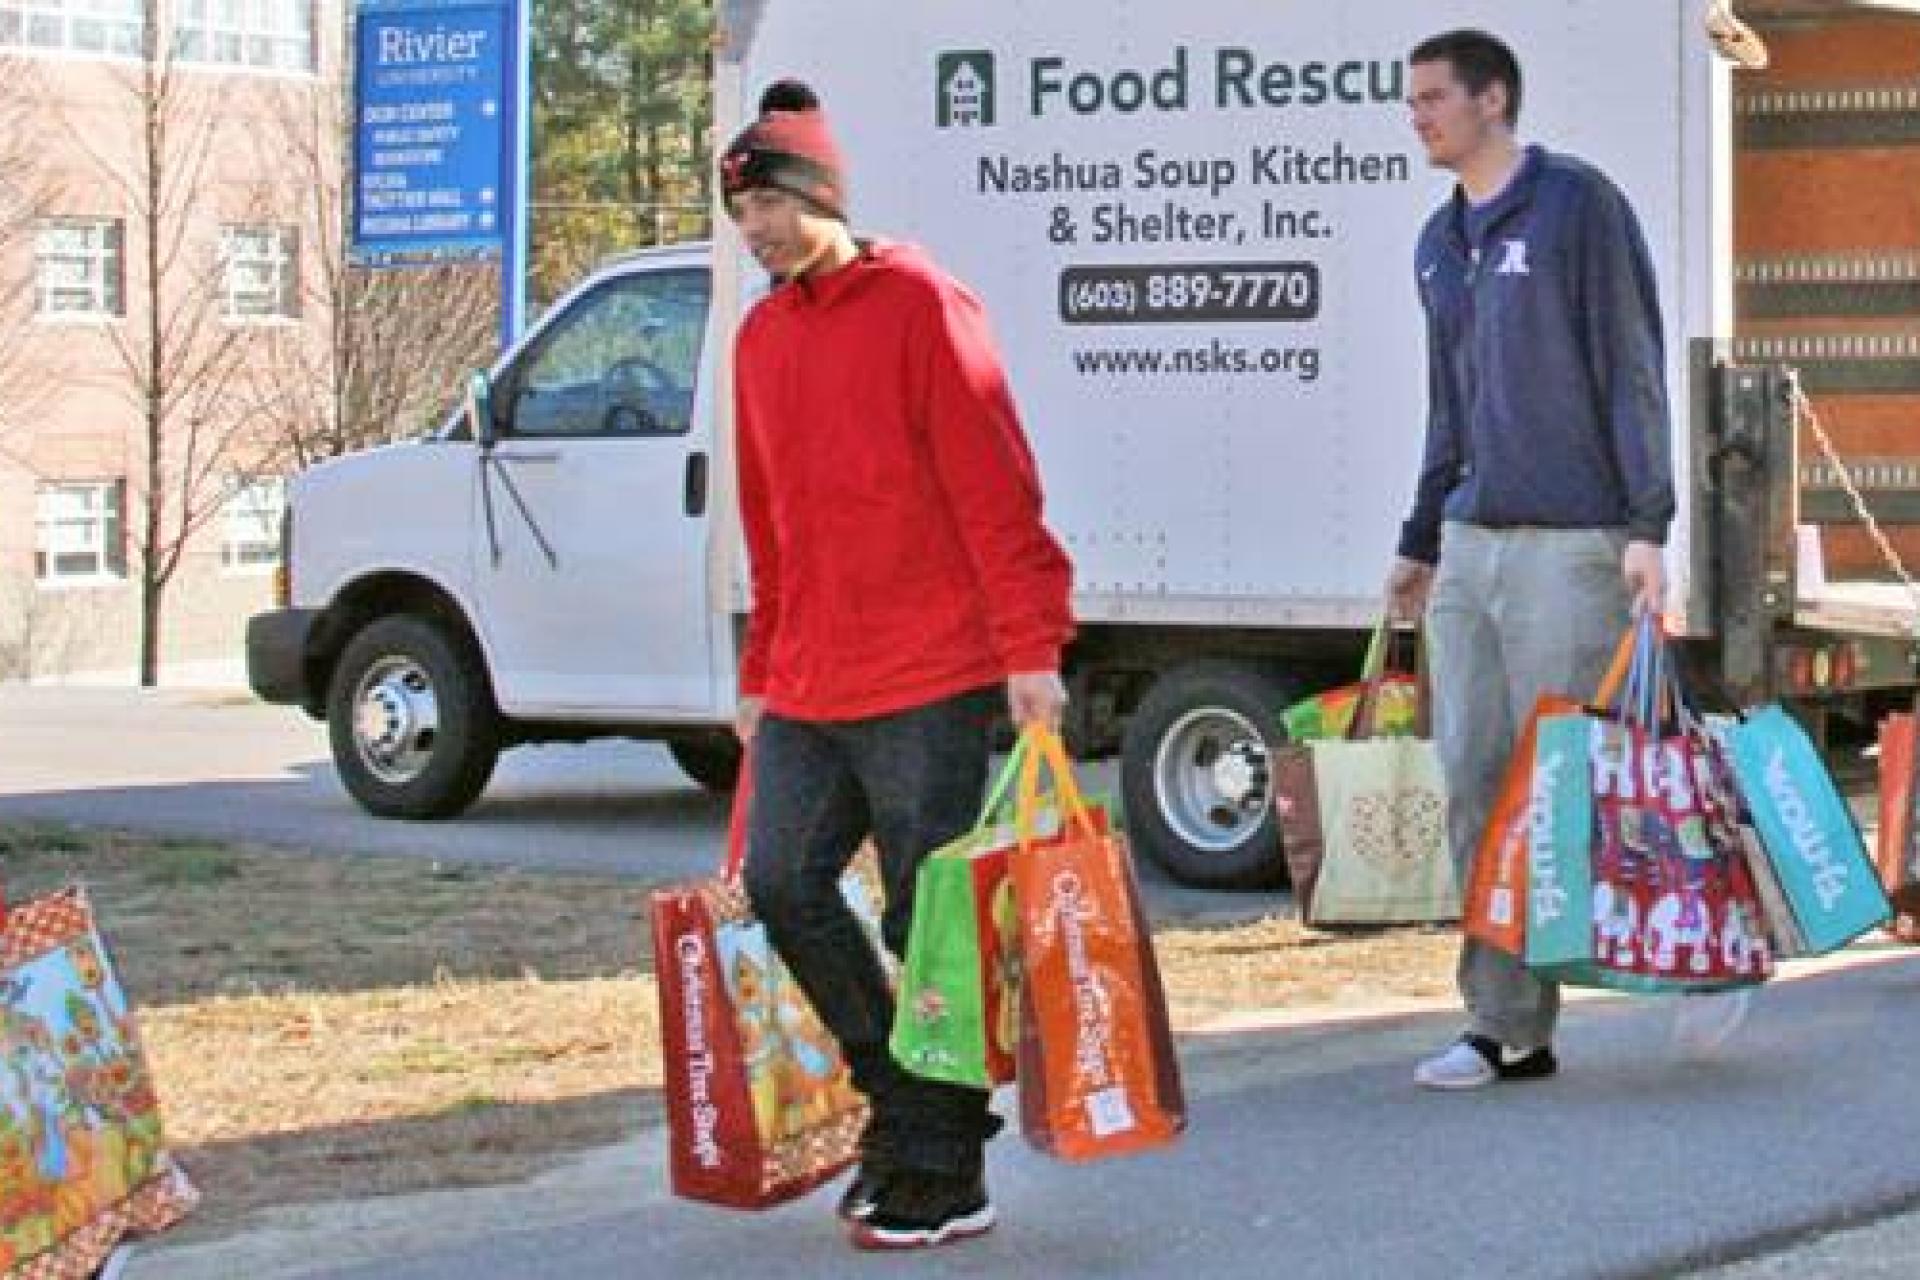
x: 712, y: 760
x: 411, y: 723
x: 1195, y: 770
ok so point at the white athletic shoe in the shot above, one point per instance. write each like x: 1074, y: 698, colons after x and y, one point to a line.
x: 1459, y: 1066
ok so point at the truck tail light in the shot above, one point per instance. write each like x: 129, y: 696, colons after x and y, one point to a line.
x: 283, y: 572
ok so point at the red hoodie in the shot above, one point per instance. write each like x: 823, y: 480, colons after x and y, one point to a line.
x: 891, y: 505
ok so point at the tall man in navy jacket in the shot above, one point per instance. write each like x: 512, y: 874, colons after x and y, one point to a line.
x: 1546, y: 488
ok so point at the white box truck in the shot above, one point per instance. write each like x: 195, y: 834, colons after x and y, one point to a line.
x: 1192, y: 225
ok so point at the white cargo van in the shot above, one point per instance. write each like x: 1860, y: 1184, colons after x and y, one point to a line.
x: 1192, y: 225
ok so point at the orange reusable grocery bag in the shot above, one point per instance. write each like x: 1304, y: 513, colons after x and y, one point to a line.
x: 1897, y: 856
x: 1495, y: 910
x: 1097, y: 1070
x: 1495, y: 907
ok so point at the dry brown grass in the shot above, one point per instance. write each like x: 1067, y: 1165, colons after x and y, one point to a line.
x: 325, y: 1026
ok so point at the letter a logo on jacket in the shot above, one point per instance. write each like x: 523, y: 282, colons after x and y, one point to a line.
x: 1514, y: 261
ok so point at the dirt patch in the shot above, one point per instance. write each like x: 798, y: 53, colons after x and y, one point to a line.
x: 323, y: 1027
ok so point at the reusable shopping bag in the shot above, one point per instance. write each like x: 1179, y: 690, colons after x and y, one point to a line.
x: 1638, y: 880
x: 1396, y: 693
x: 1807, y: 833
x: 1897, y: 853
x: 1097, y: 1072
x: 760, y: 1104
x: 1363, y: 822
x: 957, y: 1018
x: 1495, y: 907
x: 82, y: 1159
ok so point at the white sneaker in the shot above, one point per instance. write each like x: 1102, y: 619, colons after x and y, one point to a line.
x: 1459, y: 1066
x: 1704, y: 1021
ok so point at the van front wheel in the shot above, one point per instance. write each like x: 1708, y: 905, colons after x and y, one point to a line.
x: 1196, y: 772
x: 410, y: 720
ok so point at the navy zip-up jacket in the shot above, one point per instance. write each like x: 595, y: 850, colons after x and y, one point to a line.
x: 1547, y: 400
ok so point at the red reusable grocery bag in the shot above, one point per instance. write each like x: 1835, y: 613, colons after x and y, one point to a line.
x: 760, y: 1105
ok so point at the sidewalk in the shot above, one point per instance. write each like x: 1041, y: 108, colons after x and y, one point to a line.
x: 1310, y: 1154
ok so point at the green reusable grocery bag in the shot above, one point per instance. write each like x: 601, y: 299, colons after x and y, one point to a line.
x: 956, y: 1015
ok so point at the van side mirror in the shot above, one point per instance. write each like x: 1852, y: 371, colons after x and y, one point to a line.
x: 480, y: 409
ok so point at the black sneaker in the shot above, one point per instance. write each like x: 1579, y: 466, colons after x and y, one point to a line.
x: 856, y: 1202
x: 1534, y: 1064
x: 917, y: 1210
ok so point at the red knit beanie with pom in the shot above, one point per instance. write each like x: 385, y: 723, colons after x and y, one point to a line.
x: 788, y: 148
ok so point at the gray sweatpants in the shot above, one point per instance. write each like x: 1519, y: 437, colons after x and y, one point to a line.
x: 1514, y: 613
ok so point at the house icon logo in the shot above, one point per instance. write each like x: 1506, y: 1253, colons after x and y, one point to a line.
x: 963, y: 90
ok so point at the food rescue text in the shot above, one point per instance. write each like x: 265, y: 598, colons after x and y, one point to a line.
x: 1285, y: 162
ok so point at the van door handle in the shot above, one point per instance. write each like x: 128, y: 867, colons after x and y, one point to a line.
x: 517, y: 456
x: 695, y: 503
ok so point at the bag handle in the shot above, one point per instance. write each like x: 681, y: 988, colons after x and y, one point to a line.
x: 997, y: 798
x: 1608, y: 694
x: 1050, y: 753
x: 1379, y: 664
x: 1374, y: 665
x: 736, y: 854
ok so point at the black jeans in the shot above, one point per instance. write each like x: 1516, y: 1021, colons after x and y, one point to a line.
x: 913, y: 780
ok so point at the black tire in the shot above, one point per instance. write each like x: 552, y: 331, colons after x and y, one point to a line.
x: 1195, y: 772
x: 712, y: 760
x: 435, y: 750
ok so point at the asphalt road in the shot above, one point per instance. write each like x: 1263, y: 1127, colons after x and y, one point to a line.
x: 1310, y: 1154
x: 219, y: 764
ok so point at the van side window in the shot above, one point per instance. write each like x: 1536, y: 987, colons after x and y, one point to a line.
x: 623, y: 361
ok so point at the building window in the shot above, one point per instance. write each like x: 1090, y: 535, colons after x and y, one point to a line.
x: 85, y: 26
x: 258, y: 271
x: 250, y: 523
x: 77, y: 534
x: 273, y: 34
x: 78, y: 267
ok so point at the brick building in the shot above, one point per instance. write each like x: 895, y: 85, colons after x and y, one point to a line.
x: 169, y: 210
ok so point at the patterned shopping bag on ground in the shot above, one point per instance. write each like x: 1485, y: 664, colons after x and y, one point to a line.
x: 760, y: 1105
x: 82, y: 1162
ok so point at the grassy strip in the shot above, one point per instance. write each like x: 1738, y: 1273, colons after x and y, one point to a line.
x: 323, y: 1027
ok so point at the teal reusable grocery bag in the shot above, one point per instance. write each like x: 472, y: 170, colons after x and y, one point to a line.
x: 1807, y: 833
x: 1559, y: 846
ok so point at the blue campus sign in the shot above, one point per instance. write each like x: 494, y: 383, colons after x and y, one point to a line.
x: 434, y: 114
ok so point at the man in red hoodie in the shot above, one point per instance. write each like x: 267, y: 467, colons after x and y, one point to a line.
x: 902, y: 580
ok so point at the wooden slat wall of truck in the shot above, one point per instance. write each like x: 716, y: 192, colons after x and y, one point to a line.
x: 1827, y: 234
